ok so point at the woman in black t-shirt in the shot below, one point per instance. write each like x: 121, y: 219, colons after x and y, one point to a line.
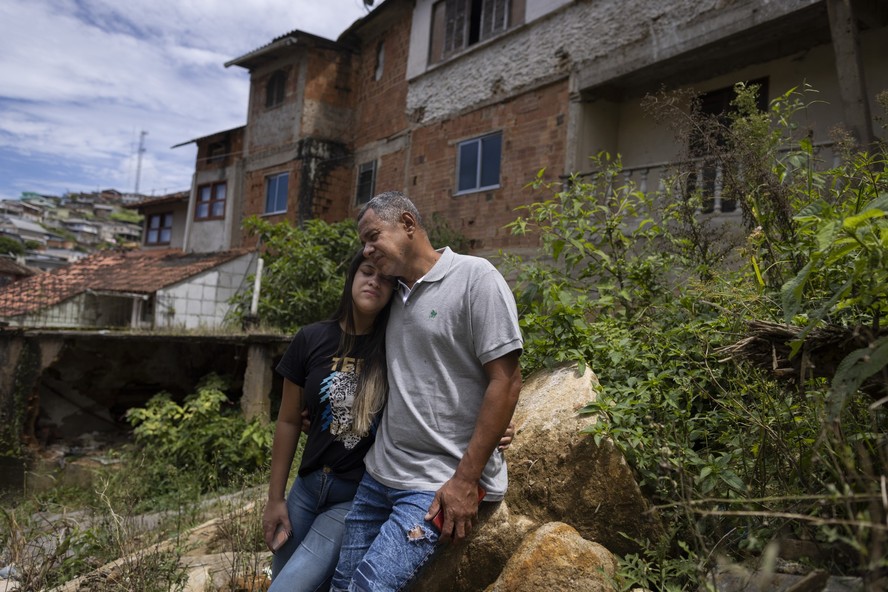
x: 336, y: 370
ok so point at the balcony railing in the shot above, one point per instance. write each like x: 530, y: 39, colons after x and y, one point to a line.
x: 706, y: 173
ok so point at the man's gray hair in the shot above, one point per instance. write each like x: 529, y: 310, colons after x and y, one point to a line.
x: 389, y: 206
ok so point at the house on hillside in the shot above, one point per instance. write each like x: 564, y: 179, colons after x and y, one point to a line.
x: 142, y: 289
x: 460, y: 103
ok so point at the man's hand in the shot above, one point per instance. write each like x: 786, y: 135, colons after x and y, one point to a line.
x: 457, y: 500
x: 275, y: 514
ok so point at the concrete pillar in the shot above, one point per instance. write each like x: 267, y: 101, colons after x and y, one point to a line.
x: 258, y: 377
x: 849, y: 69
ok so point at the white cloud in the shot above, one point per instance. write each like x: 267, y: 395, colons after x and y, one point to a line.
x: 79, y: 79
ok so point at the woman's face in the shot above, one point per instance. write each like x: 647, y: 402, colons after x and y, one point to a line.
x: 371, y: 290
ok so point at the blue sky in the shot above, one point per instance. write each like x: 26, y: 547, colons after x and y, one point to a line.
x: 81, y: 79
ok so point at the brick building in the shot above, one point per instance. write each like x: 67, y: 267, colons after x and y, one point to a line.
x: 459, y: 103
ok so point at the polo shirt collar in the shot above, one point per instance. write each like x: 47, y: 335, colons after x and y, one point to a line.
x: 436, y: 273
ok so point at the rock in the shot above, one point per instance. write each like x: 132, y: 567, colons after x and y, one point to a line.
x: 557, y: 473
x: 477, y: 561
x: 556, y: 558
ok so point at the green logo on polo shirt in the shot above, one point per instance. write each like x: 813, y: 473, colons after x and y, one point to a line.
x: 433, y: 314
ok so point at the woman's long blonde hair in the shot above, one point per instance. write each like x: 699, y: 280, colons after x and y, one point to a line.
x: 372, y: 388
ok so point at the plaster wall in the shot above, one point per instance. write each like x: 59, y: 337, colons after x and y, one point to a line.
x: 207, y: 236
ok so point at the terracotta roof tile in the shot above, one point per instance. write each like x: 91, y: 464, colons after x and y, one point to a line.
x: 142, y: 272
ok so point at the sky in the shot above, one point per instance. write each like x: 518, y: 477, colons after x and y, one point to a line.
x: 80, y: 80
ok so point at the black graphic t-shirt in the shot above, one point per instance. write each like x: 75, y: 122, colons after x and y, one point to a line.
x: 328, y: 384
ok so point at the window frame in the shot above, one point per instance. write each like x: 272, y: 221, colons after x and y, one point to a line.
x: 275, y: 178
x: 458, y: 25
x: 479, y: 166
x: 371, y: 167
x: 160, y: 216
x: 212, y: 202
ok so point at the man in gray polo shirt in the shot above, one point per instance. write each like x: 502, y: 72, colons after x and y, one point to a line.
x: 452, y: 348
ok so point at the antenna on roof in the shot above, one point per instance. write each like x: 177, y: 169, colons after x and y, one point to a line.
x: 139, y: 160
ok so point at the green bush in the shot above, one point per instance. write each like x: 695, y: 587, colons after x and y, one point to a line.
x: 304, y: 271
x: 205, y: 438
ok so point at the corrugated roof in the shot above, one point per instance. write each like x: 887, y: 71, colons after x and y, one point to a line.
x: 143, y: 272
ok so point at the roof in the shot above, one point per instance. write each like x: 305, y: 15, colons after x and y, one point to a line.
x: 11, y: 267
x: 278, y: 46
x: 25, y: 225
x: 139, y: 272
x: 208, y: 136
x: 180, y: 196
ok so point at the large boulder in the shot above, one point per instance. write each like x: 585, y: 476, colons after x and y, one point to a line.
x: 477, y: 561
x: 556, y: 558
x: 558, y: 474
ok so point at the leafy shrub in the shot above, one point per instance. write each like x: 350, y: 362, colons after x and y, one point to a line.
x: 304, y: 271
x: 733, y: 455
x: 204, y: 437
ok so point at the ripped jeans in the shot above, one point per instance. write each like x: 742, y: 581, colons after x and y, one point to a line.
x: 386, y: 539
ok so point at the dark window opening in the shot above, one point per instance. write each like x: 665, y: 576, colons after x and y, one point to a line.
x: 459, y: 24
x: 716, y: 106
x: 274, y: 89
x: 366, y: 185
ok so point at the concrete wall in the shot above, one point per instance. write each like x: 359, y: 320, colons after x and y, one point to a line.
x: 203, y: 301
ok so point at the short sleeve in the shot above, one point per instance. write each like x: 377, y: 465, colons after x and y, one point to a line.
x: 494, y: 317
x: 294, y: 364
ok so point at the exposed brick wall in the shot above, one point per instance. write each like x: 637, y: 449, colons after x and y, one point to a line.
x: 234, y: 147
x: 534, y: 137
x: 380, y: 109
x: 328, y: 100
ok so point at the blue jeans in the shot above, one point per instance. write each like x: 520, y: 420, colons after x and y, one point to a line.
x: 386, y: 539
x: 317, y: 505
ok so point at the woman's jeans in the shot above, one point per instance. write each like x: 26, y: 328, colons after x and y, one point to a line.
x: 317, y: 505
x: 387, y: 539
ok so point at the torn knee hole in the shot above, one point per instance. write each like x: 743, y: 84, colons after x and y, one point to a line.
x: 417, y: 533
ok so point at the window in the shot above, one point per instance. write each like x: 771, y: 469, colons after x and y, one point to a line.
x: 217, y: 151
x: 458, y: 24
x: 478, y: 163
x: 708, y: 174
x: 366, y: 185
x: 160, y: 229
x: 274, y: 89
x: 380, y: 61
x: 210, y: 202
x: 276, y: 193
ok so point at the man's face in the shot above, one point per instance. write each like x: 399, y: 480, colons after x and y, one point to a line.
x: 384, y: 243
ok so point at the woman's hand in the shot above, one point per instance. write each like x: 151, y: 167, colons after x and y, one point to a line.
x: 274, y: 516
x: 506, y: 440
